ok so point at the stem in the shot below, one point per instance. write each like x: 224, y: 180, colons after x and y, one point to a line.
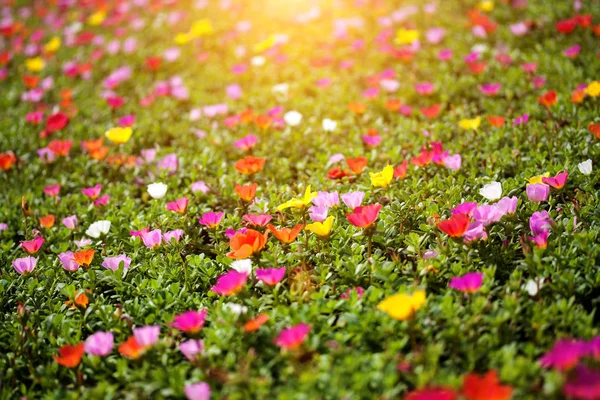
x: 369, y: 240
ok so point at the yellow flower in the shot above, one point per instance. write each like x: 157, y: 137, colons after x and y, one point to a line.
x: 593, y: 89
x: 402, y: 306
x: 265, y: 44
x: 96, y: 18
x: 383, y: 178
x: 202, y: 27
x: 537, y: 179
x: 52, y: 45
x: 486, y: 5
x: 35, y: 64
x: 321, y: 228
x: 119, y: 135
x: 182, y: 38
x: 299, y: 202
x: 406, y: 36
x: 470, y: 123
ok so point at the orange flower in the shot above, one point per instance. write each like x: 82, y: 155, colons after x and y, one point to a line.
x: 263, y: 121
x: 286, y: 235
x: 246, y: 244
x: 485, y: 387
x: 84, y: 257
x: 60, y: 147
x: 595, y: 129
x: 131, y: 348
x: 250, y: 165
x: 357, y: 164
x: 99, y: 154
x: 47, y: 221
x: 92, y: 145
x: 82, y: 300
x: 247, y: 115
x: 256, y: 323
x: 31, y: 81
x: 496, y: 120
x: 357, y: 107
x: 246, y: 192
x: 577, y: 96
x: 7, y: 160
x: 548, y: 99
x: 393, y: 104
x: 70, y: 356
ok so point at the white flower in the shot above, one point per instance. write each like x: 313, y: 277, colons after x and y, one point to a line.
x: 242, y: 266
x: 157, y: 190
x: 235, y: 308
x: 292, y: 118
x: 280, y: 88
x: 329, y: 125
x: 532, y: 287
x: 258, y: 61
x: 491, y: 191
x: 98, y: 228
x: 585, y: 167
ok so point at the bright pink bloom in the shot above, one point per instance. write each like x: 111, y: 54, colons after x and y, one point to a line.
x: 147, y: 336
x: 293, y: 337
x: 140, y: 233
x: 152, y: 239
x: 25, y: 264
x: 565, y: 354
x: 364, y: 216
x: 583, y: 385
x: 557, y: 181
x: 179, y: 205
x: 176, y: 235
x: 99, y: 344
x: 246, y: 143
x: 465, y: 208
x: 257, y: 220
x: 32, y: 246
x: 190, y: 321
x: 52, y: 190
x: 371, y: 140
x: 92, y: 192
x: 348, y: 293
x: 211, y: 219
x: 102, y: 201
x: 270, y: 276
x: 468, y: 283
x: 230, y: 283
x: 127, y: 120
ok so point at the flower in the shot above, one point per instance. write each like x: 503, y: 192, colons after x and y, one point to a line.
x: 179, y: 205
x: 485, y: 387
x: 131, y: 348
x: 565, y: 354
x: 292, y: 337
x: 157, y: 190
x: 119, y: 135
x: 491, y: 191
x: 211, y: 219
x: 255, y: 324
x: 326, y: 199
x: 250, y: 165
x: 329, y: 125
x: 32, y: 246
x: 348, y: 293
x: 270, y: 276
x: 70, y: 222
x: 114, y: 262
x: 468, y: 283
x: 246, y: 143
x: 456, y: 226
x: 292, y: 118
x: 230, y: 283
x: 585, y: 167
x: 199, y: 186
x: 402, y: 306
x: 558, y: 181
x: 470, y: 123
x: 25, y: 264
x: 538, y: 192
x: 99, y: 344
x: 432, y: 393
x: 357, y: 164
x: 174, y: 235
x: 353, y: 199
x: 246, y: 192
x: 593, y: 89
x: 257, y: 220
x: 92, y: 192
x: 507, y: 205
x: 147, y: 336
x: 487, y: 214
x: 322, y: 229
x: 299, y: 202
x: 548, y: 99
x: 84, y: 257
x: 197, y: 391
x: 318, y: 214
x: 68, y: 262
x: 98, y: 228
x: 286, y: 235
x: 406, y: 36
x: 382, y: 178
x: 153, y: 238
x: 191, y: 348
x: 364, y: 216
x: 70, y: 356
x: 243, y: 245
x: 584, y: 384
x: 190, y: 321
x: 52, y: 190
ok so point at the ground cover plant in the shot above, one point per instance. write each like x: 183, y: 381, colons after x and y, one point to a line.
x: 299, y: 199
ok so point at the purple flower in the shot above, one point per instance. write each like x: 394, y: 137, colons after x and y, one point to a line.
x: 540, y: 222
x: 191, y: 348
x: 584, y: 384
x: 197, y: 391
x: 565, y: 354
x: 99, y: 344
x: 475, y: 231
x: 114, y: 262
x: 25, y: 264
x: 468, y: 283
x: 169, y: 163
x: 67, y: 261
x: 147, y: 336
x: 538, y: 192
x: 353, y: 199
x: 70, y: 222
x: 486, y: 214
x: 521, y: 120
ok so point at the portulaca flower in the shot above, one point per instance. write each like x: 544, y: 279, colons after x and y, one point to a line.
x: 292, y: 118
x: 585, y: 167
x: 235, y: 308
x: 98, y: 228
x: 242, y: 266
x: 329, y: 125
x: 532, y: 286
x: 280, y: 88
x: 258, y: 61
x: 491, y: 191
x: 157, y: 190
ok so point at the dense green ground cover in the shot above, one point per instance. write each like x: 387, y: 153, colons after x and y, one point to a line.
x: 325, y: 94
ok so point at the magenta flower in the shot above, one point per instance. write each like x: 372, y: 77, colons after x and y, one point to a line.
x: 540, y: 222
x: 507, y: 205
x: 140, y: 233
x: 348, y: 293
x: 211, y: 219
x: 230, y: 232
x: 190, y: 321
x: 424, y: 88
x: 191, y: 348
x: 114, y: 262
x: 52, y: 190
x: 465, y: 208
x: 445, y: 54
x: 32, y: 246
x: 538, y: 192
x: 179, y: 205
x: 270, y: 276
x: 146, y: 336
x: 25, y: 264
x: 257, y: 220
x: 572, y: 51
x: 490, y: 89
x: 292, y: 337
x: 246, y: 143
x: 101, y: 201
x: 197, y: 391
x: 68, y: 262
x: 353, y: 199
x: 521, y: 120
x: 92, y: 192
x: 230, y: 283
x: 152, y: 239
x: 99, y: 344
x: 70, y: 222
x: 558, y: 181
x: 371, y: 140
x: 584, y: 384
x: 127, y: 120
x: 565, y: 354
x: 175, y: 235
x: 541, y: 239
x: 468, y: 283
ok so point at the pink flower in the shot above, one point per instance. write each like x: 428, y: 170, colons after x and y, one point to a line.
x: 211, y: 219
x: 584, y: 384
x: 424, y: 89
x: 102, y: 201
x: 246, y: 143
x: 200, y: 186
x: 475, y: 231
x: 435, y: 35
x: 326, y: 199
x: 490, y: 89
x: 114, y: 262
x: 507, y: 205
x: 270, y: 276
x: 152, y: 239
x: 445, y: 54
x: 140, y: 233
x: 230, y: 283
x: 179, y: 205
x: 486, y: 214
x: 25, y: 264
x: 32, y: 246
x: 92, y: 192
x: 70, y: 222
x: 318, y: 214
x: 52, y: 190
x: 572, y: 51
x: 453, y: 162
x: 99, y: 344
x: 371, y: 140
x: 540, y: 222
x: 292, y: 337
x: 257, y: 220
x: 190, y: 321
x: 348, y: 293
x: 541, y: 239
x: 191, y: 348
x: 176, y: 235
x: 465, y: 208
x: 468, y: 283
x: 353, y: 199
x: 127, y: 120
x: 68, y: 262
x: 169, y: 163
x: 234, y: 91
x: 538, y: 192
x: 565, y: 354
x: 519, y: 29
x: 557, y: 181
x: 197, y: 391
x: 147, y: 336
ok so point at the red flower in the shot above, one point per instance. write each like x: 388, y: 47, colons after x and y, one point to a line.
x: 56, y: 122
x: 595, y: 129
x: 548, y: 99
x: 70, y: 356
x: 431, y: 112
x: 485, y: 387
x: 60, y: 147
x: 496, y: 120
x: 364, y: 216
x: 400, y: 170
x: 566, y: 26
x: 7, y: 160
x: 337, y: 173
x: 357, y: 164
x: 438, y: 393
x: 456, y: 226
